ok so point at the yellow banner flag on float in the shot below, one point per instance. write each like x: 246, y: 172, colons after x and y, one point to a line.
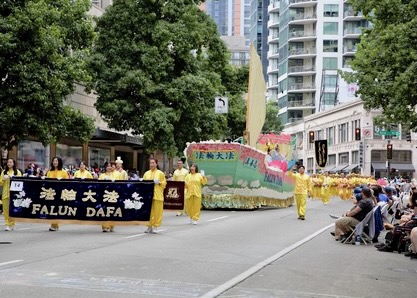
x: 256, y: 101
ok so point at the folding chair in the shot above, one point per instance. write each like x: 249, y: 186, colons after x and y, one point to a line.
x: 358, y: 229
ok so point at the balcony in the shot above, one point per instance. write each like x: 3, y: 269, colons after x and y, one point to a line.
x: 272, y: 69
x: 303, y: 18
x: 302, y: 3
x: 274, y: 38
x: 302, y: 52
x: 302, y: 35
x: 350, y: 15
x: 294, y: 119
x: 306, y: 69
x: 273, y: 54
x: 301, y: 105
x: 349, y: 50
x: 273, y: 22
x: 352, y: 32
x: 301, y: 87
x: 273, y: 6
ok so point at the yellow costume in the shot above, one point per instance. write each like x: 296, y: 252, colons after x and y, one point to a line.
x: 56, y: 174
x: 179, y: 175
x: 83, y: 174
x: 157, y: 209
x: 302, y: 186
x: 113, y: 175
x: 193, y: 184
x: 325, y: 189
x: 5, y: 182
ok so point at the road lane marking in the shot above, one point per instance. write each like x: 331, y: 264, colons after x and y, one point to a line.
x: 137, y: 235
x: 217, y: 218
x: 251, y: 271
x: 10, y: 262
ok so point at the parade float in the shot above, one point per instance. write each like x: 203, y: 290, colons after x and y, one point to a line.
x: 245, y: 176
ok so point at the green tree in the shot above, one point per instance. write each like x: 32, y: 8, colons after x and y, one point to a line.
x: 272, y: 122
x: 42, y: 48
x: 157, y: 67
x: 385, y: 64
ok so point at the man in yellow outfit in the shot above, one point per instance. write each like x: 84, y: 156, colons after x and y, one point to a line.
x: 179, y: 175
x: 302, y: 187
x: 325, y: 191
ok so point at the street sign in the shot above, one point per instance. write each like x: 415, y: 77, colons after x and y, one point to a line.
x: 388, y: 133
x: 221, y: 105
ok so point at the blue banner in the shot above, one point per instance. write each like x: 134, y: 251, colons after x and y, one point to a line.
x: 81, y: 201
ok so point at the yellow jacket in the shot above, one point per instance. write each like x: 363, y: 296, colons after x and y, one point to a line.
x: 57, y: 174
x: 193, y: 183
x: 114, y: 175
x: 302, y: 183
x: 158, y: 193
x: 83, y: 174
x: 6, y: 182
x: 179, y: 175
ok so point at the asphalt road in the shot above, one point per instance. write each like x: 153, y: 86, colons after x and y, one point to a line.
x: 262, y: 253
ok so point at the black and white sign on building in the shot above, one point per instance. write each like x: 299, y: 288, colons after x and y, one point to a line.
x: 221, y: 105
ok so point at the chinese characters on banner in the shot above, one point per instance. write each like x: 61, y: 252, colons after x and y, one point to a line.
x: 174, y: 195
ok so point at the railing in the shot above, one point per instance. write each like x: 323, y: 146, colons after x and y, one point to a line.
x: 302, y: 34
x: 301, y: 86
x: 352, y: 31
x: 302, y: 51
x: 301, y: 1
x: 294, y: 119
x: 350, y: 49
x: 303, y: 16
x: 351, y: 13
x: 293, y: 104
x: 302, y: 68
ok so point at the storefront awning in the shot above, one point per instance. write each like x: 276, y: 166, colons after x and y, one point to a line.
x: 379, y: 166
x: 338, y: 168
x: 350, y: 167
x: 101, y: 135
x: 405, y: 167
x: 328, y: 168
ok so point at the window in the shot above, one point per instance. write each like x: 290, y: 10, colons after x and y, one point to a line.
x: 330, y: 135
x: 310, y: 163
x: 330, y: 63
x: 330, y: 81
x: 402, y: 156
x: 97, y: 157
x: 331, y: 10
x: 355, y: 157
x: 330, y: 46
x: 330, y: 28
x: 344, y: 158
x: 343, y: 133
x: 71, y: 155
x: 332, y: 160
x: 33, y: 152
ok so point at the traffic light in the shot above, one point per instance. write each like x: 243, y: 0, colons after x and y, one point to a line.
x: 311, y: 136
x: 357, y: 134
x: 408, y: 136
x: 389, y: 151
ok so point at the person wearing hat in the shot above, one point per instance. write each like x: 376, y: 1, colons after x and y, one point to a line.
x: 119, y: 168
x: 363, y: 205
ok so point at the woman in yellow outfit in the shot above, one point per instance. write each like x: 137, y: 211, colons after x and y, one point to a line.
x: 193, y: 183
x: 9, y: 172
x: 113, y: 175
x: 82, y: 173
x: 56, y: 172
x: 157, y: 209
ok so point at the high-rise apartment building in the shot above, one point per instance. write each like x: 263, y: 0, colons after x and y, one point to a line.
x: 309, y: 41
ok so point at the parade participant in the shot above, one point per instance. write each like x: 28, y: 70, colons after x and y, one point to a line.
x: 193, y: 183
x: 315, y: 187
x: 157, y: 208
x: 325, y: 189
x: 82, y: 172
x: 302, y: 186
x: 111, y: 174
x: 119, y: 168
x: 179, y: 175
x: 56, y: 172
x: 6, y: 174
x: 343, y: 187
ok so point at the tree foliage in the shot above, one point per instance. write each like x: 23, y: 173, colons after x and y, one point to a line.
x: 157, y: 67
x: 385, y: 65
x: 272, y: 122
x: 42, y: 49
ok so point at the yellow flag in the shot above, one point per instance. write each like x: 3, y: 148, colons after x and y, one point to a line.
x: 256, y: 101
